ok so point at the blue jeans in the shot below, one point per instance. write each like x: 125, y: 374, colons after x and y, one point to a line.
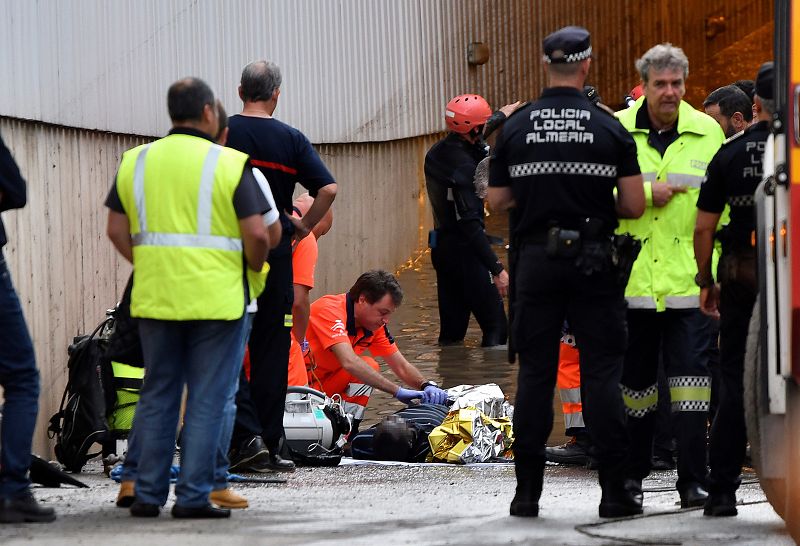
x: 130, y: 467
x: 221, y: 470
x: 205, y: 355
x: 20, y: 380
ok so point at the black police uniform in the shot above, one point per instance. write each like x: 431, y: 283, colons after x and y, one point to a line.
x: 460, y: 251
x: 562, y: 157
x: 732, y: 178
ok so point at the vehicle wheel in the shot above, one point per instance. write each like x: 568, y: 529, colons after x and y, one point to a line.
x: 756, y: 409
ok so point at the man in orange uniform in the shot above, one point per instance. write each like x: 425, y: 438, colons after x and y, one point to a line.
x: 344, y: 326
x: 304, y: 262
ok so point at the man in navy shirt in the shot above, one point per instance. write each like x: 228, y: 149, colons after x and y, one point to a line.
x: 285, y: 157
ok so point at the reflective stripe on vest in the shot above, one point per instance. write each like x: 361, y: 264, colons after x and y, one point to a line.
x: 640, y: 302
x: 682, y: 302
x: 203, y: 237
x: 186, y: 240
x: 188, y: 254
x: 688, y: 180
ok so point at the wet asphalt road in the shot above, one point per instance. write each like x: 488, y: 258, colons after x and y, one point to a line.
x: 433, y: 504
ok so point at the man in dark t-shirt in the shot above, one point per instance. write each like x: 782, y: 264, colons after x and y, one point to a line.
x: 285, y: 157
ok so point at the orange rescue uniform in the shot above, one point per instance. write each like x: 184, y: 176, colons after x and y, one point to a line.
x: 332, y: 321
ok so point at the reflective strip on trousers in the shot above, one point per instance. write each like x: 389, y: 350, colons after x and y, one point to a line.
x: 356, y: 410
x: 690, y: 393
x: 355, y: 399
x: 688, y: 180
x: 640, y: 403
x: 574, y: 420
x: 570, y: 396
x: 355, y: 390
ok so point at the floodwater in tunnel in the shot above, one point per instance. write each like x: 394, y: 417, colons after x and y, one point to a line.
x: 415, y: 327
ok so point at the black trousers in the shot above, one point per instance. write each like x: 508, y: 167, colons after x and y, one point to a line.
x: 465, y: 286
x: 247, y: 424
x: 681, y: 336
x: 269, y: 355
x: 728, y: 433
x: 550, y: 290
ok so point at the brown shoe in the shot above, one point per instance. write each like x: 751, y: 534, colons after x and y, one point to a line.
x: 126, y: 496
x: 227, y: 498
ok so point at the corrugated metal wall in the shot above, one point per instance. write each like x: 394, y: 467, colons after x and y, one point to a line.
x: 367, y: 77
x: 355, y: 71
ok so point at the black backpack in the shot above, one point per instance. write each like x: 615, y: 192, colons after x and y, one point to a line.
x: 81, y: 418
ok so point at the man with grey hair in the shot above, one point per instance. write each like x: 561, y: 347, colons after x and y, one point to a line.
x: 674, y: 143
x: 285, y: 156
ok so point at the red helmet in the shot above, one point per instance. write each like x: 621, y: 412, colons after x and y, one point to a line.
x: 465, y: 112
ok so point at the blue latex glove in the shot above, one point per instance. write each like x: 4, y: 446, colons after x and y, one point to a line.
x: 407, y: 395
x: 434, y: 395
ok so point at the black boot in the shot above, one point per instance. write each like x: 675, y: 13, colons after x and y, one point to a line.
x: 279, y: 458
x: 25, y: 509
x: 620, y: 498
x: 574, y: 452
x: 530, y: 475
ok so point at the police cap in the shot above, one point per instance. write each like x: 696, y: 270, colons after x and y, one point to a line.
x: 765, y: 81
x: 567, y: 45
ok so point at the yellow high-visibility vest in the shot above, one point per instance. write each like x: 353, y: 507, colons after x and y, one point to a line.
x: 187, y: 248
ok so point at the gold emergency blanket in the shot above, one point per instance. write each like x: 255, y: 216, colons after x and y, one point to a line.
x: 468, y: 436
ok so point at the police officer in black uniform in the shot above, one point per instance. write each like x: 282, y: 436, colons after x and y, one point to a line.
x: 555, y: 164
x: 732, y: 178
x: 470, y: 277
